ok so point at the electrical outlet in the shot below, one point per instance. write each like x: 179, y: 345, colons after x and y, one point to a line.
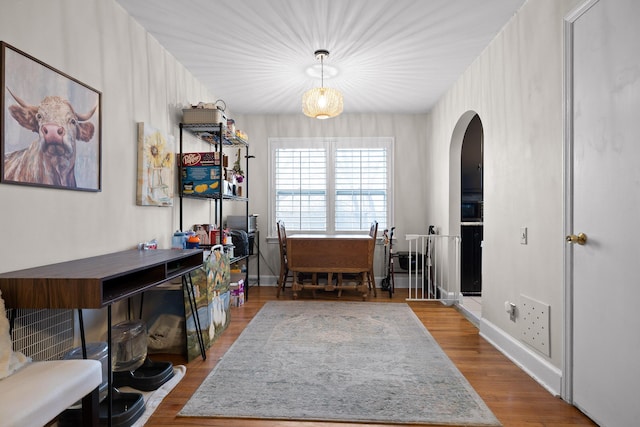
x: 510, y: 308
x: 523, y: 235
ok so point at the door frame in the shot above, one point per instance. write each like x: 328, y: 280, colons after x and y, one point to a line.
x: 566, y: 391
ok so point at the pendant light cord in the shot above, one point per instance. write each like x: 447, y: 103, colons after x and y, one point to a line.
x: 322, y: 71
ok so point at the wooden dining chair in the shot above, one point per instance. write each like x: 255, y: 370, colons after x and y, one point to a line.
x: 284, y: 265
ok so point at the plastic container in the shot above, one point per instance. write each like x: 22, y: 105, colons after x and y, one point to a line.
x: 129, y: 345
x: 178, y: 241
x: 96, y: 351
x: 193, y: 242
x: 213, y: 235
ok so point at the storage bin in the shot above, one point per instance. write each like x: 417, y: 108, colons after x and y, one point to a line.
x: 204, y: 116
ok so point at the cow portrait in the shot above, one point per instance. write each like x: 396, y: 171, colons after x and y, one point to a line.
x: 50, y: 125
x: 50, y: 158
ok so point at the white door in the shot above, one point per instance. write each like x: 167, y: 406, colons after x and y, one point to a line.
x: 606, y: 207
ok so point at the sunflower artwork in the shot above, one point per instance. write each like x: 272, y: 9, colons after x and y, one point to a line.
x: 156, y: 154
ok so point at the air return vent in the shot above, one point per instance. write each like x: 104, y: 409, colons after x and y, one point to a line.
x: 535, y: 324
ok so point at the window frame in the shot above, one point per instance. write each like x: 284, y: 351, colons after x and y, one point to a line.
x: 330, y: 144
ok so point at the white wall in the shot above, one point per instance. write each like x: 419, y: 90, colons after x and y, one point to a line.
x: 96, y: 42
x: 410, y: 181
x: 515, y: 86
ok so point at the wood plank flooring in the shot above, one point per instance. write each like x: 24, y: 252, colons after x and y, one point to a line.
x: 514, y: 397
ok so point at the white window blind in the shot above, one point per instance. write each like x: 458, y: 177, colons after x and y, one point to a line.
x: 331, y: 185
x: 301, y: 188
x: 360, y: 188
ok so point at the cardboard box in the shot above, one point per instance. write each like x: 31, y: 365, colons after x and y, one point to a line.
x: 201, y: 180
x: 237, y: 293
x: 208, y: 158
x: 201, y: 173
x: 237, y: 300
x: 201, y: 188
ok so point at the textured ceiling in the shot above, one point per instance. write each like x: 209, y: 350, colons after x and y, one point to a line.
x: 395, y: 56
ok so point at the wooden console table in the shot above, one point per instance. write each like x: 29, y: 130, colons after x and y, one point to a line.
x: 98, y: 282
x: 331, y: 254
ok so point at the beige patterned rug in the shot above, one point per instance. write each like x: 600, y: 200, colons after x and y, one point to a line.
x: 338, y: 361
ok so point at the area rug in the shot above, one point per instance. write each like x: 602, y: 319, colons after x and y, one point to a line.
x: 338, y: 361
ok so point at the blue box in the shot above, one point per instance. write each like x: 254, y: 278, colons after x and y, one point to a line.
x: 200, y: 173
x: 201, y: 180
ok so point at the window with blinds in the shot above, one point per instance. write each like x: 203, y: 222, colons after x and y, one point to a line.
x: 301, y: 188
x: 331, y: 185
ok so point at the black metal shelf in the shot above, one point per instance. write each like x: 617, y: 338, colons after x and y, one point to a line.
x: 216, y: 196
x: 214, y: 134
x: 211, y: 132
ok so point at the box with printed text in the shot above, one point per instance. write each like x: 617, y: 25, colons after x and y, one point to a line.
x: 206, y: 158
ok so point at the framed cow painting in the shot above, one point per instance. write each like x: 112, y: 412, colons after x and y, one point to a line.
x: 50, y: 126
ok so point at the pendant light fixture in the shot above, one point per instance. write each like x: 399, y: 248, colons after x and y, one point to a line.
x: 322, y: 102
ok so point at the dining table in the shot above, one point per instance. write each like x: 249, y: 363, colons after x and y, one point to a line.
x: 346, y: 259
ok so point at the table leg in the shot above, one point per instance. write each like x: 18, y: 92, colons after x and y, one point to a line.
x: 109, y: 370
x: 91, y: 408
x: 372, y: 282
x: 364, y: 285
x: 295, y: 285
x: 90, y: 403
x: 188, y: 285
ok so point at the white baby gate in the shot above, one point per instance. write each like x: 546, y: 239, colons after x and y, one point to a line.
x: 434, y: 268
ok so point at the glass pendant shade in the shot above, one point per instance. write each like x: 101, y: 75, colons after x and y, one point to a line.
x: 322, y: 103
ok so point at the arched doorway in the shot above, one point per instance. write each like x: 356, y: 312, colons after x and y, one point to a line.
x: 471, y: 208
x: 466, y: 201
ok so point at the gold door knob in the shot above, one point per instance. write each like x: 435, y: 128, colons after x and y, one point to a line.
x: 580, y: 239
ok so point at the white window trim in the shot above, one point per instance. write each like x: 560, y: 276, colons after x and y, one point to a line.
x: 321, y: 142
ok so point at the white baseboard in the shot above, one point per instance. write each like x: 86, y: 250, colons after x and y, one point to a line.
x: 524, y: 357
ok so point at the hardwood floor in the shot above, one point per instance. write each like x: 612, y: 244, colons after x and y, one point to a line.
x: 514, y: 397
